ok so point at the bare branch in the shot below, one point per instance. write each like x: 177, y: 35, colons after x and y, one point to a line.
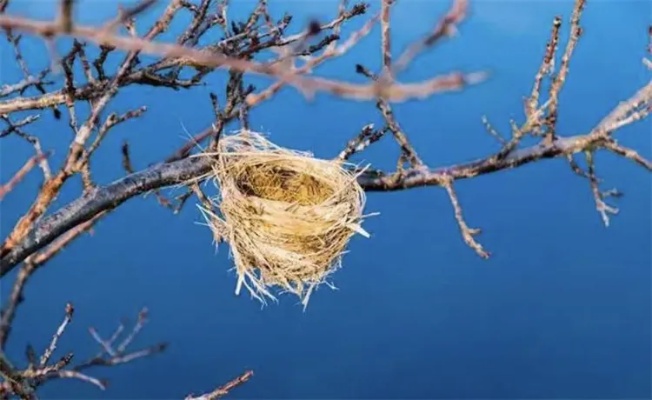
x: 223, y: 390
x: 628, y: 153
x: 214, y: 41
x: 308, y: 86
x: 20, y: 174
x: 467, y: 233
x: 45, y: 358
x: 24, y: 382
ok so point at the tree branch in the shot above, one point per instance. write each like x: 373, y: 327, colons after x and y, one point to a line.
x: 168, y: 174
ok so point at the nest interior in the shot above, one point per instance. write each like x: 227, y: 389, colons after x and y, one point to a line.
x: 287, y: 216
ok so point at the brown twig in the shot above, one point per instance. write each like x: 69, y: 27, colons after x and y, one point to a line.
x: 446, y: 26
x: 560, y: 78
x: 467, y: 233
x: 21, y: 173
x: 367, y: 136
x: 393, y: 126
x: 394, y: 92
x: 39, y: 371
x: 223, y: 390
x: 30, y: 266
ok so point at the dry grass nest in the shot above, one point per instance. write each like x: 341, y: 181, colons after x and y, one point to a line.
x: 286, y: 215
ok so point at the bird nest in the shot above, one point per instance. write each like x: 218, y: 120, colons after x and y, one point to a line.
x: 287, y: 216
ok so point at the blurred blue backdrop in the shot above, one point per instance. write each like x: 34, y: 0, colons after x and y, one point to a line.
x: 561, y: 310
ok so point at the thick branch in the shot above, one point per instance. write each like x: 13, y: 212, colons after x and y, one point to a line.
x: 168, y: 174
x: 102, y: 199
x: 438, y: 176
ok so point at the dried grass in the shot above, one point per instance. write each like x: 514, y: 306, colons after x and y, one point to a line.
x: 286, y: 215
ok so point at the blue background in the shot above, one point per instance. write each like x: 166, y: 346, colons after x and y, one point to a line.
x: 562, y: 309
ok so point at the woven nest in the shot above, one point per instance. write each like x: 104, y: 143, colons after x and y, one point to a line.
x: 286, y: 215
